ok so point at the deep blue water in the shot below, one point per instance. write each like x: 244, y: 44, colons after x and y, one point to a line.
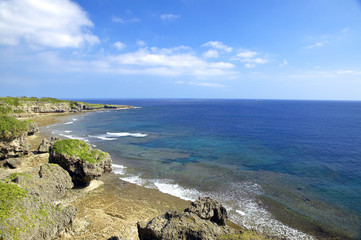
x: 305, y: 155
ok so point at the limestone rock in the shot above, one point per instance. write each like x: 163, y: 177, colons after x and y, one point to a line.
x: 33, y: 128
x: 44, y: 146
x: 13, y: 162
x: 14, y: 147
x: 209, y: 209
x: 57, y: 181
x: 187, y: 225
x: 83, y: 163
x: 28, y: 210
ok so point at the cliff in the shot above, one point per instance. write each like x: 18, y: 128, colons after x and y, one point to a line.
x: 27, y: 107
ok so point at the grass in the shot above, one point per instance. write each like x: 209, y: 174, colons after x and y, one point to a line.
x: 11, y: 128
x: 94, y: 105
x: 10, y: 194
x: 80, y: 149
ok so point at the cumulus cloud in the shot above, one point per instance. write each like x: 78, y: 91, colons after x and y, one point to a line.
x: 50, y: 23
x: 218, y: 45
x: 211, y: 54
x: 250, y: 58
x: 247, y: 54
x: 169, y: 17
x: 163, y: 61
x: 119, y: 45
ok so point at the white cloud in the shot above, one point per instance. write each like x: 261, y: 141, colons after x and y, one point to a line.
x: 211, y: 54
x: 249, y: 65
x: 205, y: 84
x: 349, y: 72
x: 119, y: 45
x: 254, y: 60
x: 317, y: 44
x: 172, y: 61
x: 141, y: 43
x: 218, y: 45
x: 246, y: 54
x: 55, y: 23
x: 169, y: 17
x: 249, y: 58
x: 202, y: 84
x: 122, y: 20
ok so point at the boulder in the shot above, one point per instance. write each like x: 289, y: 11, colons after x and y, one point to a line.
x: 16, y: 147
x: 44, y: 146
x: 28, y: 210
x: 81, y: 161
x: 209, y: 209
x: 186, y: 225
x: 33, y: 128
x: 13, y: 163
x: 57, y: 181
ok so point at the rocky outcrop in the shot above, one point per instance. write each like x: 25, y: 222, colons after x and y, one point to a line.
x: 209, y: 209
x: 28, y: 211
x: 33, y: 128
x: 14, y: 147
x: 83, y: 162
x: 195, y: 223
x: 43, y: 107
x: 13, y: 163
x: 44, y: 146
x: 56, y: 181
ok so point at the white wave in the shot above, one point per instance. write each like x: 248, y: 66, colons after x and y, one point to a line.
x: 243, y: 209
x: 135, y: 179
x: 126, y: 134
x: 118, y: 169
x: 177, y: 191
x: 68, y: 131
x: 105, y: 138
x: 240, y: 212
x: 136, y: 107
x: 71, y: 122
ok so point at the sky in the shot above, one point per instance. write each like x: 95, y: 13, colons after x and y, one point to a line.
x: 244, y: 49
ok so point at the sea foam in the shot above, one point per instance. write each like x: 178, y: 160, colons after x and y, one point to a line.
x: 126, y: 134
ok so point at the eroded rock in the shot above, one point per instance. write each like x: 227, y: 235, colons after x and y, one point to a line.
x: 14, y: 147
x: 33, y: 128
x: 44, y: 146
x: 28, y: 211
x: 188, y: 224
x: 209, y: 209
x: 81, y: 161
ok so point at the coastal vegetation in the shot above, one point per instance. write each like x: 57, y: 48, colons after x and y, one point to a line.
x: 79, y: 149
x: 11, y: 127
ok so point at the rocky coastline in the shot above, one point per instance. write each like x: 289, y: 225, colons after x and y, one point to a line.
x: 67, y: 189
x: 64, y: 189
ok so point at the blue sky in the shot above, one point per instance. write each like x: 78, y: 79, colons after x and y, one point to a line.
x: 269, y: 49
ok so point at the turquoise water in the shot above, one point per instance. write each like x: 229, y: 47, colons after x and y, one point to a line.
x: 304, y: 156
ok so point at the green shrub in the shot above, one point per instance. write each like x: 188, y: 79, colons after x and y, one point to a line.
x: 11, y: 128
x: 78, y: 148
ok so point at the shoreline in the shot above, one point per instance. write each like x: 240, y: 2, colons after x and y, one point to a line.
x: 276, y: 210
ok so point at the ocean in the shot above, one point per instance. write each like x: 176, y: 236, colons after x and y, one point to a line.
x: 285, y: 168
